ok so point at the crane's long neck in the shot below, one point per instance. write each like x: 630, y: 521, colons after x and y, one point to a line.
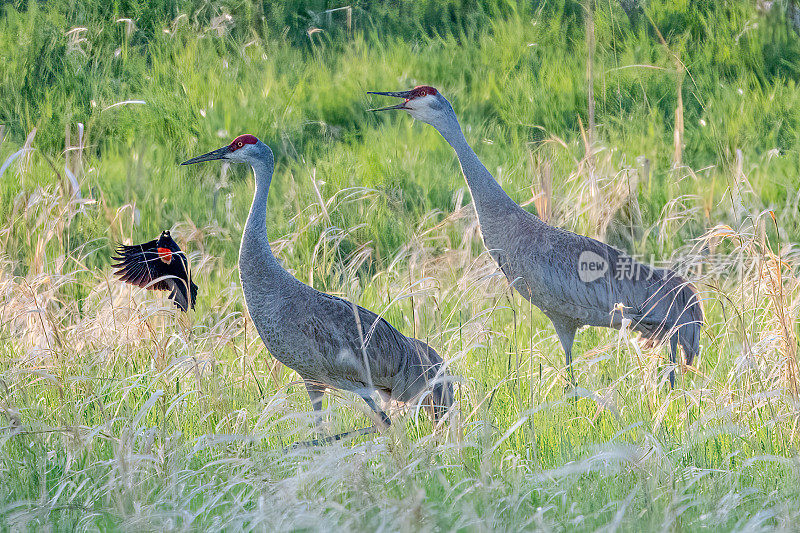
x: 488, y: 195
x: 258, y: 268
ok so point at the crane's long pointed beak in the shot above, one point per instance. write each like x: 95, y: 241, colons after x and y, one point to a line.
x: 388, y: 107
x: 219, y: 153
x: 396, y: 94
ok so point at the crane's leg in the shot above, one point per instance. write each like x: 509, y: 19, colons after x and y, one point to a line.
x: 378, y: 411
x: 315, y: 394
x: 673, y: 358
x: 566, y: 334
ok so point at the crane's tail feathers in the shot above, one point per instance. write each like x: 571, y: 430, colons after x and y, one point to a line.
x: 441, y: 397
x: 675, y: 312
x: 437, y: 397
x: 689, y: 332
x: 690, y: 320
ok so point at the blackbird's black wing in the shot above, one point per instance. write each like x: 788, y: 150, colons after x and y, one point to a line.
x: 158, y: 265
x: 139, y: 265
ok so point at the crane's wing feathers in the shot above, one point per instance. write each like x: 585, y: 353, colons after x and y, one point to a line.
x: 395, y: 362
x: 558, y: 263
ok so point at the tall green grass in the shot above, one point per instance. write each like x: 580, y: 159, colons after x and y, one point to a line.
x: 119, y: 413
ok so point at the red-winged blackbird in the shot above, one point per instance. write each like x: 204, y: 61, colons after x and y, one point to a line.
x: 158, y: 265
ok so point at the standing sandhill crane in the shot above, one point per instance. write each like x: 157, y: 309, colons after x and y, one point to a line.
x: 158, y: 265
x: 329, y: 341
x: 573, y: 279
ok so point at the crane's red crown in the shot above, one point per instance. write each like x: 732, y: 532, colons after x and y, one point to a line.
x: 423, y: 90
x: 241, y: 140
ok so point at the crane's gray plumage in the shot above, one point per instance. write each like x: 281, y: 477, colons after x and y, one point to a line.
x: 543, y: 263
x: 328, y: 341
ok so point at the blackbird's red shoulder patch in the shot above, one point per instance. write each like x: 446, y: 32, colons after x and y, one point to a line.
x: 165, y: 254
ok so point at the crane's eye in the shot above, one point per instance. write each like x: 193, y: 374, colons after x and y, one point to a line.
x: 239, y: 144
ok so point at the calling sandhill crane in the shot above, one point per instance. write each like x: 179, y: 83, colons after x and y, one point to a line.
x: 328, y: 341
x: 573, y: 279
x: 158, y: 265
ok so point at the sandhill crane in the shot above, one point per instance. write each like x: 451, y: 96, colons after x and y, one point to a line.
x: 573, y: 279
x: 158, y: 265
x: 328, y: 341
